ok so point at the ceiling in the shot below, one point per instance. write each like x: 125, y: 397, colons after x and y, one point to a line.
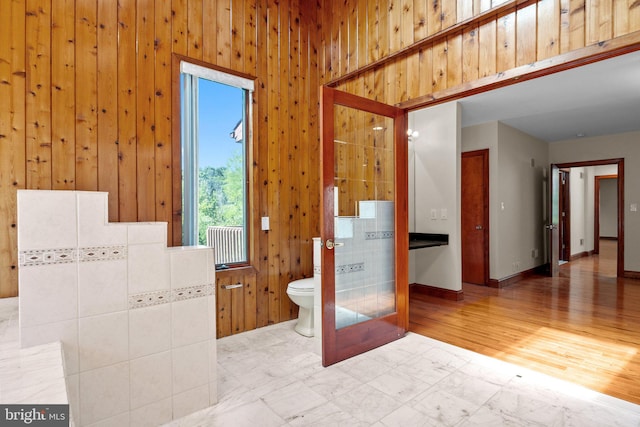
x: 597, y: 99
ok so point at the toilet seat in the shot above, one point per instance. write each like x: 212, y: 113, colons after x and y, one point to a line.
x: 302, y: 285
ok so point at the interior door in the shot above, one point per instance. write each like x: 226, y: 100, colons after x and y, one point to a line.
x: 364, y: 229
x: 475, y: 217
x: 554, y: 219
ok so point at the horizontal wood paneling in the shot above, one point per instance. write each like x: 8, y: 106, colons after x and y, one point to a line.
x: 86, y: 95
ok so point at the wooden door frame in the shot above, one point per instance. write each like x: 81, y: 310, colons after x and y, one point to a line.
x: 596, y: 210
x: 620, y: 163
x: 485, y: 207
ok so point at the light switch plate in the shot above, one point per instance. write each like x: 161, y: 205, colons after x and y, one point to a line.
x: 434, y: 214
x: 265, y: 223
x: 443, y: 213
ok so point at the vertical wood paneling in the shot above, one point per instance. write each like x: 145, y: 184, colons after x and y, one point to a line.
x: 38, y: 96
x: 12, y: 137
x: 194, y: 29
x: 577, y: 24
x: 525, y: 28
x: 454, y: 60
x: 223, y: 33
x: 209, y: 32
x: 489, y: 46
x: 127, y: 164
x: 351, y: 59
x: 63, y: 88
x: 434, y: 16
x: 86, y: 96
x: 363, y: 36
x: 285, y: 170
x: 470, y: 54
x: 439, y: 65
x: 261, y: 185
x: 237, y: 35
x: 145, y: 114
x: 107, y: 58
x: 634, y: 16
x: 548, y: 29
x: 620, y: 17
x: 420, y: 19
x: 273, y: 160
x: 383, y: 29
x: 425, y: 70
x: 373, y: 37
x: 179, y: 23
x: 162, y: 111
x: 406, y: 18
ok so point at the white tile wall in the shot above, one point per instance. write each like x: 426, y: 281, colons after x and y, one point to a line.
x: 55, y: 302
x: 103, y: 340
x: 149, y: 330
x: 148, y: 267
x: 104, y: 393
x: 150, y: 379
x: 136, y: 319
x: 102, y: 287
x: 47, y: 217
x: 190, y: 366
x: 153, y: 415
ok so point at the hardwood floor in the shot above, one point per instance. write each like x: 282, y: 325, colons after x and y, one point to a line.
x: 583, y: 326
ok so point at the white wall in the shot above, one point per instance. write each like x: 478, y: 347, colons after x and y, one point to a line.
x: 516, y: 199
x: 578, y: 190
x: 624, y: 145
x: 436, y: 176
x: 609, y: 208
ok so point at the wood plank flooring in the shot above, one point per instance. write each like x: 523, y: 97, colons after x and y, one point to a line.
x: 583, y: 326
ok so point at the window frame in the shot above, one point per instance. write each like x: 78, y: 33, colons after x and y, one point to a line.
x: 232, y: 78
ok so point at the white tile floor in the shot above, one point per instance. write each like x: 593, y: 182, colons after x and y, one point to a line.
x: 272, y: 377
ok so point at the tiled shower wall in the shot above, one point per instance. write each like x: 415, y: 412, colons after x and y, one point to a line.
x: 136, y: 319
x: 365, y: 274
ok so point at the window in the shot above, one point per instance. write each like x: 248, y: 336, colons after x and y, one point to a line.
x: 215, y: 117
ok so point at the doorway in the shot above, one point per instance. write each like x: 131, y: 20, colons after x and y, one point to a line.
x: 564, y: 227
x: 554, y: 249
x: 475, y: 217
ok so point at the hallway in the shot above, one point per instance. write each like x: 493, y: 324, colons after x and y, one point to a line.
x: 583, y: 326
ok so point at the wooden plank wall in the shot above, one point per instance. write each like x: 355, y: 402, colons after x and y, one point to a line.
x: 524, y: 31
x: 85, y: 97
x: 85, y: 103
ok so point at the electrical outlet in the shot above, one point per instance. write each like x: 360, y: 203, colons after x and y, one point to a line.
x: 265, y: 223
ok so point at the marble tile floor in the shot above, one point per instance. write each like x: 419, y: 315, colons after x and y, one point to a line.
x: 272, y: 377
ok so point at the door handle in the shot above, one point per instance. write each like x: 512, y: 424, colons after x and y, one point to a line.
x: 330, y: 244
x: 478, y: 227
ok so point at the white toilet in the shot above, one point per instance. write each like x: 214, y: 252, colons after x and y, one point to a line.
x: 301, y: 292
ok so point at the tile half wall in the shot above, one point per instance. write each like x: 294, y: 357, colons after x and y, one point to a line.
x: 136, y: 319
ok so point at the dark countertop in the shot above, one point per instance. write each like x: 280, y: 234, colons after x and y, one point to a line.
x: 427, y: 240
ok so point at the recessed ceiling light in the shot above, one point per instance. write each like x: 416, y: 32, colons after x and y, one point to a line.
x: 580, y: 135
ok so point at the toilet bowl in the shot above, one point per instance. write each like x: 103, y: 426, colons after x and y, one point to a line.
x: 301, y: 292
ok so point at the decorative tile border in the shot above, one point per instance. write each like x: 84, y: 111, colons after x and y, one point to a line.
x: 191, y: 292
x: 103, y: 253
x: 148, y: 299
x: 350, y: 268
x: 38, y: 257
x: 375, y: 235
x: 46, y: 257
